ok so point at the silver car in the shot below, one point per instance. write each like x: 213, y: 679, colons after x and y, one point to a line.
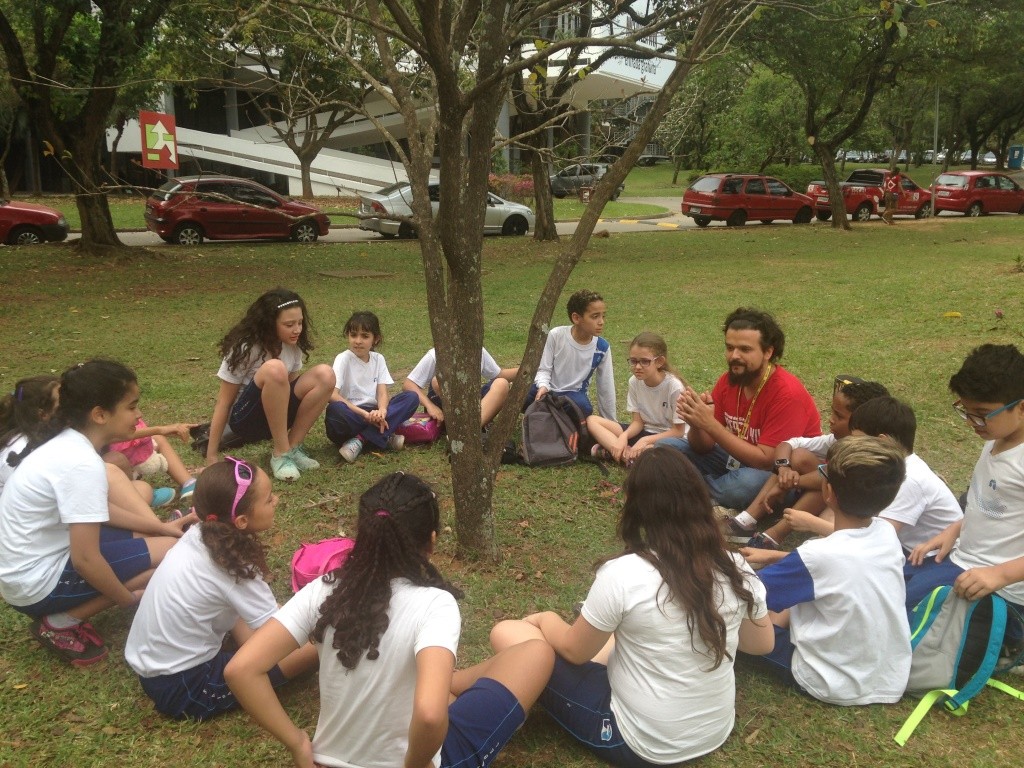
x: 568, y: 181
x: 379, y: 212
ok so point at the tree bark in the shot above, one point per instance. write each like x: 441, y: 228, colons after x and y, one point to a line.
x: 826, y: 156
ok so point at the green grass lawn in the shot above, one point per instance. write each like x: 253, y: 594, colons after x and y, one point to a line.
x: 901, y: 304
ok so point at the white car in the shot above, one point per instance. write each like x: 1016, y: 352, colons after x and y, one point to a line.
x: 380, y: 212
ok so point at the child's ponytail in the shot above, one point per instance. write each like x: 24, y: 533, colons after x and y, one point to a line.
x: 26, y: 411
x: 398, y: 519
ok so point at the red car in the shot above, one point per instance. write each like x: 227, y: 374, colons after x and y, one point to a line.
x: 736, y: 197
x: 28, y: 223
x: 974, y: 193
x: 188, y: 209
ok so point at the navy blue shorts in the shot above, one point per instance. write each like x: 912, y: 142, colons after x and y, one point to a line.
x: 578, y: 697
x: 480, y: 722
x: 434, y: 397
x: 248, y: 420
x: 198, y: 693
x: 127, y: 556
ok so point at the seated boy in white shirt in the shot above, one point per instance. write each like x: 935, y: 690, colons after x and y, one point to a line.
x: 424, y: 382
x: 842, y: 633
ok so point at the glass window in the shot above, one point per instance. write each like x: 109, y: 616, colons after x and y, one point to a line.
x: 756, y: 187
x: 732, y: 186
x: 777, y: 188
x: 951, y: 180
x: 706, y: 184
x: 1005, y: 182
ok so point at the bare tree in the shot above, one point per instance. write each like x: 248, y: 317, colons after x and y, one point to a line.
x: 457, y: 59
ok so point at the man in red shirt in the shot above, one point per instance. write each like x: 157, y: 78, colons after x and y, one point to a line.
x: 756, y: 404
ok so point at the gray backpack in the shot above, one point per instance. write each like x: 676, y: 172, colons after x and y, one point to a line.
x: 955, y: 645
x: 550, y: 434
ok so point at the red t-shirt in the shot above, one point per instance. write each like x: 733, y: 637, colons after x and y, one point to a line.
x: 784, y: 409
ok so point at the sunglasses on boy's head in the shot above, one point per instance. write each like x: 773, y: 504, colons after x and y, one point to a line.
x: 842, y: 380
x: 822, y: 470
x: 980, y: 421
x: 243, y: 479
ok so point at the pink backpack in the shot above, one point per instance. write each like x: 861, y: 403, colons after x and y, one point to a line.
x: 311, y: 561
x: 419, y: 428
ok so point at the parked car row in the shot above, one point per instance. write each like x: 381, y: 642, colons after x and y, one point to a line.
x: 975, y: 193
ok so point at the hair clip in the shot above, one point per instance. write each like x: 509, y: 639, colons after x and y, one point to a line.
x: 287, y: 303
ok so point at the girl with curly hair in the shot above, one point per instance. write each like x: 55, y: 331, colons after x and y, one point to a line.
x: 386, y: 626
x: 645, y: 674
x: 212, y: 584
x: 263, y: 393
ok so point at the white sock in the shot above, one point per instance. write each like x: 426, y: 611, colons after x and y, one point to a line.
x: 62, y: 620
x: 745, y: 521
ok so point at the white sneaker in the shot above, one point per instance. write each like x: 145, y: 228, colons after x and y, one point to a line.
x: 283, y: 468
x: 396, y: 442
x: 351, y: 449
x: 302, y: 459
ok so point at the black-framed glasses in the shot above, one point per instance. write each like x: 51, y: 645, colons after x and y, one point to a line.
x: 643, y: 362
x: 243, y: 479
x: 842, y: 380
x: 822, y: 472
x: 980, y: 421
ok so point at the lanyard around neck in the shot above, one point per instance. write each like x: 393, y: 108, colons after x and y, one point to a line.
x: 739, y: 393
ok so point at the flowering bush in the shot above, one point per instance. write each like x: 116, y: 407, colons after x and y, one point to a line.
x: 512, y: 187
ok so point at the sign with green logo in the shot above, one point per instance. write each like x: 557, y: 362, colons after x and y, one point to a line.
x: 159, y: 142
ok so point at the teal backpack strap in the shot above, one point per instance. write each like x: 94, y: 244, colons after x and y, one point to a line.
x: 925, y: 613
x: 988, y: 664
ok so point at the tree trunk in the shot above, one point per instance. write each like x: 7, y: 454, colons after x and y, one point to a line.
x: 98, y: 234
x: 305, y: 163
x: 544, y: 228
x: 826, y: 155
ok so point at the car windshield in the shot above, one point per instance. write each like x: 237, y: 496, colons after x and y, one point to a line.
x: 706, y: 184
x: 951, y: 180
x: 164, y: 193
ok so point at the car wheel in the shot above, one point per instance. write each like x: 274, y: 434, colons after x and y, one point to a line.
x: 515, y: 226
x: 923, y: 212
x: 701, y: 221
x: 803, y: 216
x: 559, y: 195
x: 974, y: 209
x: 736, y: 219
x: 615, y: 194
x: 25, y: 235
x: 305, y: 232
x: 188, y: 234
x: 863, y: 212
x: 406, y: 231
x: 1021, y: 211
x: 823, y: 215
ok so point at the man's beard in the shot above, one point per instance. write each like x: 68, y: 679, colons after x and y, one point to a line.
x: 744, y: 378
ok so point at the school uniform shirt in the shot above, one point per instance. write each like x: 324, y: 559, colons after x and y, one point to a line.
x: 669, y: 704
x: 15, y: 446
x: 61, y: 482
x: 357, y: 381
x: 188, y: 607
x: 783, y: 409
x: 656, y: 405
x: 291, y: 356
x: 567, y: 366
x: 365, y: 712
x: 818, y: 445
x: 924, y: 504
x: 847, y: 619
x: 426, y: 368
x: 993, y: 529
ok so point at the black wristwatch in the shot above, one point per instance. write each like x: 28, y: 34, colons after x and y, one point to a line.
x: 780, y: 463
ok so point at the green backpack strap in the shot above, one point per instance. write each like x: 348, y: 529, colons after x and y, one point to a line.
x: 927, y: 702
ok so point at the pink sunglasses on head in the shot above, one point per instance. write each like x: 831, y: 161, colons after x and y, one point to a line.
x: 243, y: 479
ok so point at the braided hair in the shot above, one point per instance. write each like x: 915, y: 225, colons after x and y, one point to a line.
x: 27, y: 412
x: 396, y: 519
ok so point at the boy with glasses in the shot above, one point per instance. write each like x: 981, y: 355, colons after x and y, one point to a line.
x: 984, y: 552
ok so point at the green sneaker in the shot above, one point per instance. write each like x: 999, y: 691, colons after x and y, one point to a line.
x: 284, y: 467
x: 302, y: 459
